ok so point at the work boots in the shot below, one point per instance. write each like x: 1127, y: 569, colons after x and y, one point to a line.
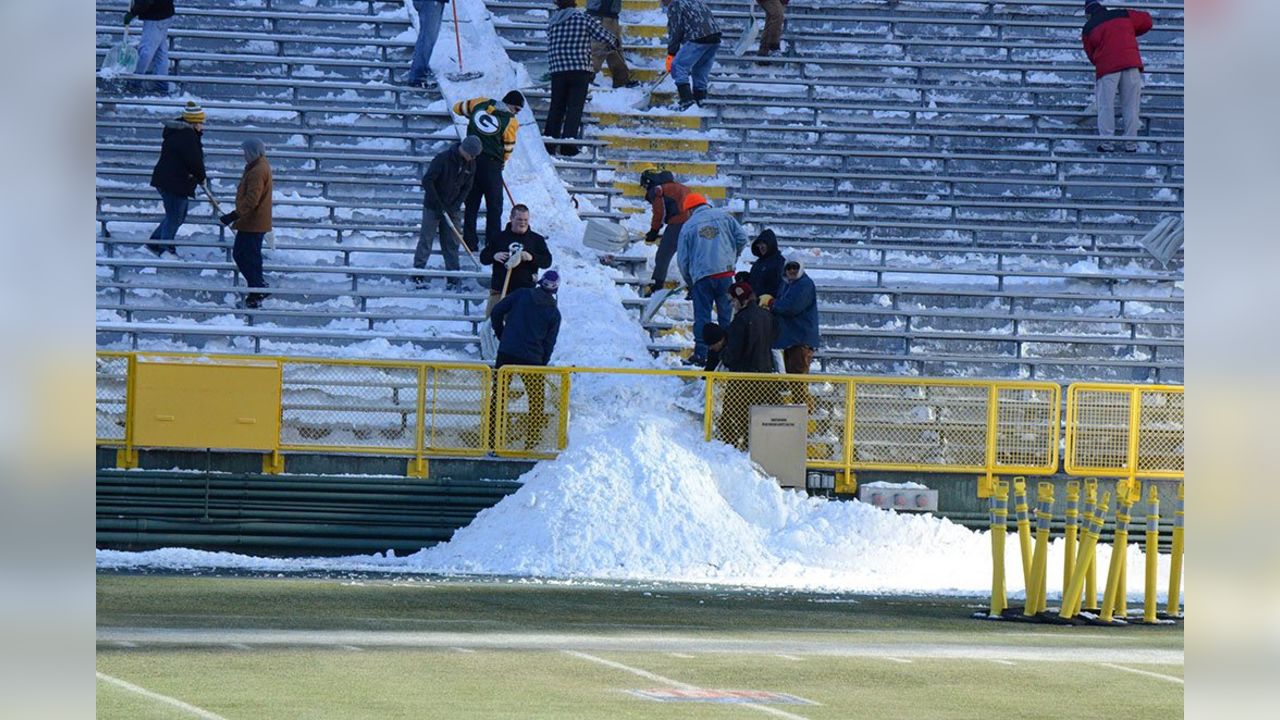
x: 699, y: 96
x: 686, y: 96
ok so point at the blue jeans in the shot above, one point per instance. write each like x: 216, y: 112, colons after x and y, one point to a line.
x: 429, y: 12
x: 247, y: 252
x: 694, y: 60
x: 707, y: 292
x: 175, y: 213
x: 153, y: 51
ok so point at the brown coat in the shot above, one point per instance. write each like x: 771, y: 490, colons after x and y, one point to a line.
x: 253, y: 197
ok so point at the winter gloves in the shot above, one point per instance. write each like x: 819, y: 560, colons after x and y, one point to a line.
x: 128, y: 17
x: 229, y: 218
x: 651, y: 237
x: 766, y: 301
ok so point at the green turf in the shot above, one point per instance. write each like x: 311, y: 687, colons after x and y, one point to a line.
x: 328, y: 681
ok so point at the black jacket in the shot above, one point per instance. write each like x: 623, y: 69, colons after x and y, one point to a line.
x: 523, y: 275
x: 181, y: 165
x: 527, y: 323
x: 152, y: 9
x: 748, y: 346
x: 766, y: 272
x: 448, y: 180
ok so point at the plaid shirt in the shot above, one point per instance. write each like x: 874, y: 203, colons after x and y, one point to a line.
x: 570, y: 33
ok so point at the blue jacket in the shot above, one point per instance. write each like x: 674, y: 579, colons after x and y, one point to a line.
x: 709, y: 244
x: 796, y: 309
x: 527, y: 323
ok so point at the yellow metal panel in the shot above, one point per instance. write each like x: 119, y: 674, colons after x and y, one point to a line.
x: 640, y: 142
x: 644, y: 75
x: 1125, y: 430
x: 206, y: 403
x: 633, y: 190
x: 622, y: 120
x: 681, y: 169
x: 640, y: 4
x: 646, y: 31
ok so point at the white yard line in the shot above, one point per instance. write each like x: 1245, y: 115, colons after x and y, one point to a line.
x: 682, y: 656
x: 792, y: 658
x: 676, y: 683
x: 462, y: 649
x: 352, y: 648
x: 1002, y: 662
x: 904, y: 661
x: 1148, y: 673
x: 186, y: 707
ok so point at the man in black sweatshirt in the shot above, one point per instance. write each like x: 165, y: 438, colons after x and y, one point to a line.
x: 534, y: 255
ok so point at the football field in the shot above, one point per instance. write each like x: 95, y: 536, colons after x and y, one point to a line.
x: 392, y: 647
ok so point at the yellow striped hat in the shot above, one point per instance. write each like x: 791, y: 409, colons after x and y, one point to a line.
x: 194, y: 113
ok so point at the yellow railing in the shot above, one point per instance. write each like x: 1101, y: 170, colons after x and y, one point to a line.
x: 989, y: 427
x: 426, y: 409
x: 1127, y: 431
x: 385, y: 407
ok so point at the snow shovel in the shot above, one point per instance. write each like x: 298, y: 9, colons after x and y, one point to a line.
x: 121, y: 59
x: 216, y: 207
x: 656, y: 301
x: 1164, y: 240
x: 462, y: 75
x: 605, y: 237
x: 647, y: 98
x: 449, y: 221
x: 749, y: 36
x: 489, y: 339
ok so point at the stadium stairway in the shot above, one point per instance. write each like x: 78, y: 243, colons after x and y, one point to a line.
x: 935, y: 164
x: 316, y: 80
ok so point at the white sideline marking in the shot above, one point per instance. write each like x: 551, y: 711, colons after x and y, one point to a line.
x: 1148, y: 673
x: 676, y: 683
x: 462, y: 649
x: 682, y: 656
x: 126, y: 644
x: 904, y: 661
x: 1002, y: 662
x: 352, y: 648
x: 792, y: 658
x: 198, y: 712
x: 238, y: 646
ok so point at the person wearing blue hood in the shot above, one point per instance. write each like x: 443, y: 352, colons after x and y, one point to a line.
x: 569, y: 35
x: 527, y: 323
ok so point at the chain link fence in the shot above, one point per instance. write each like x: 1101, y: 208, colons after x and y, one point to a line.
x: 1102, y: 421
x: 111, y: 396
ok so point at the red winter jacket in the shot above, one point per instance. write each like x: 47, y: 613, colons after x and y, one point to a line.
x: 1111, y: 39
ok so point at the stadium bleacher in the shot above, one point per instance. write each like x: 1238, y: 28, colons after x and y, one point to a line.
x: 932, y: 162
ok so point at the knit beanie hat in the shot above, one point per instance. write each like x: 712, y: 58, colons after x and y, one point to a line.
x: 1090, y: 4
x: 693, y: 200
x: 471, y: 145
x: 193, y: 113
x: 550, y: 281
x: 712, y: 333
x: 741, y: 291
x: 514, y: 98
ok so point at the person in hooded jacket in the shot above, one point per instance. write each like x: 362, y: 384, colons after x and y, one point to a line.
x: 569, y: 35
x: 527, y: 323
x: 178, y: 171
x: 796, y: 310
x: 766, y: 272
x: 535, y: 255
x: 252, y: 217
x: 666, y: 197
